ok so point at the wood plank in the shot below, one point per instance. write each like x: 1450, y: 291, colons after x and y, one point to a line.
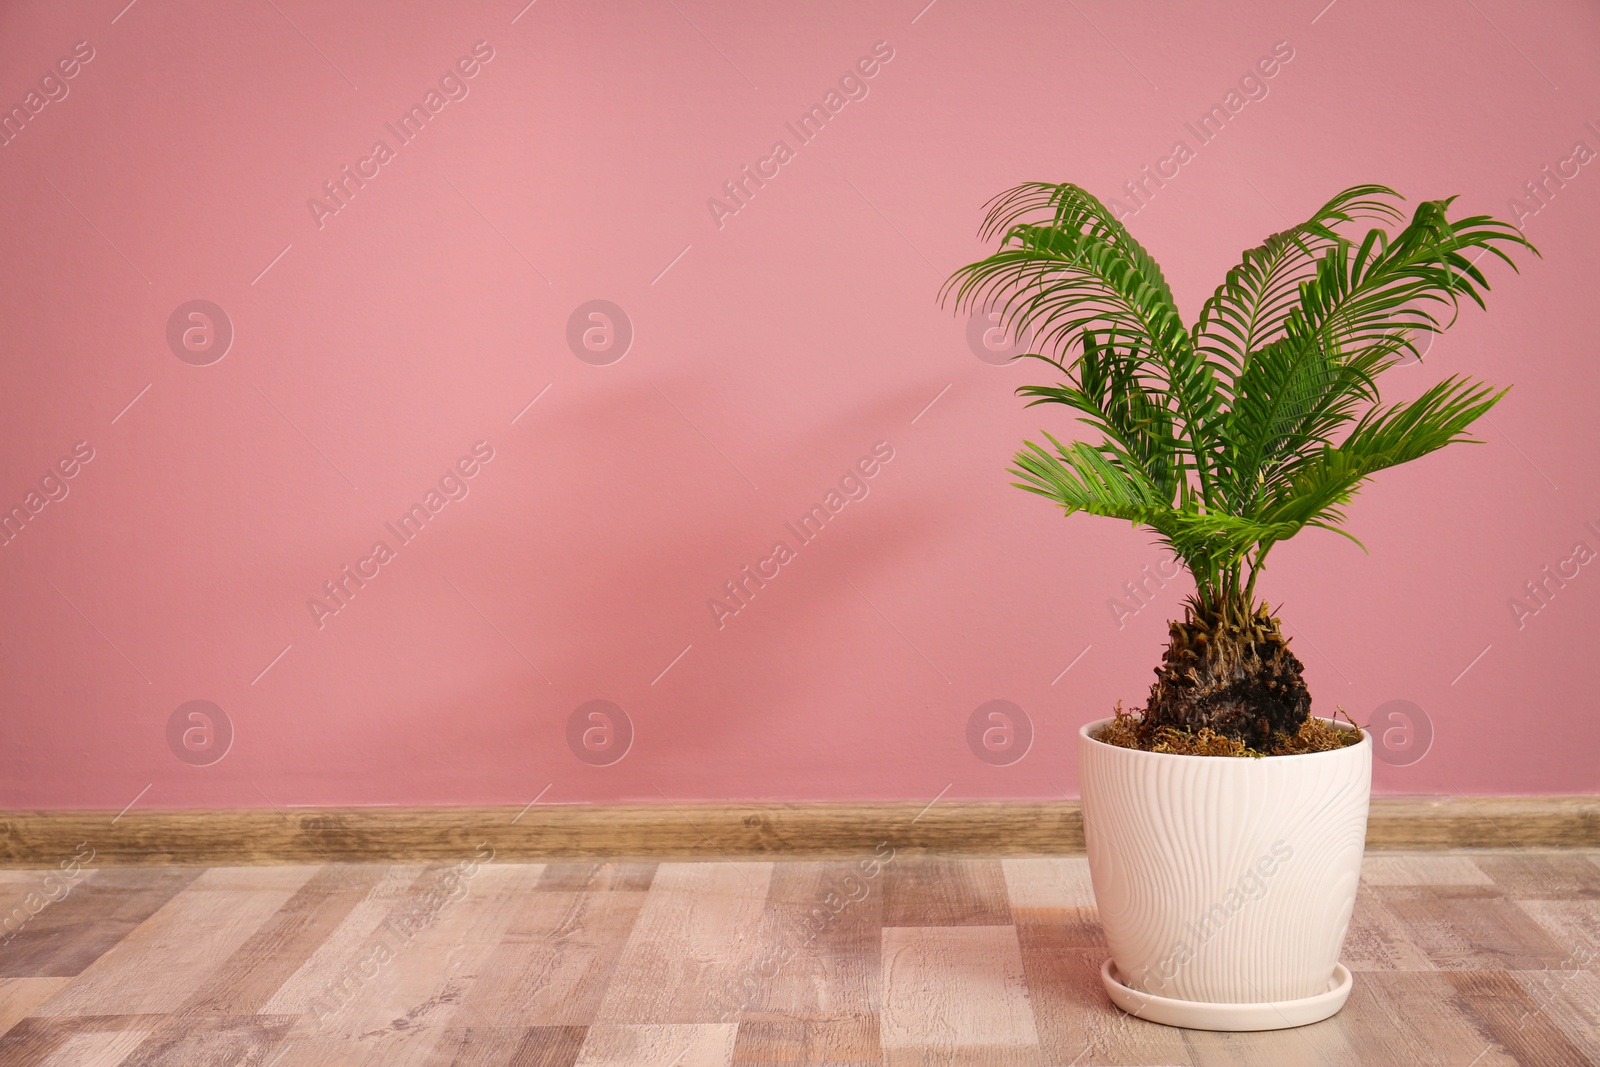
x: 1459, y: 822
x: 151, y: 837
x: 26, y: 895
x: 803, y: 1038
x: 399, y: 994
x: 325, y: 972
x: 1049, y: 882
x: 249, y: 978
x: 532, y: 1046
x: 954, y: 986
x: 1471, y: 928
x: 64, y: 938
x: 818, y: 944
x: 1075, y: 1020
x: 980, y: 1056
x: 445, y: 931
x: 1305, y: 1046
x: 1422, y: 868
x: 31, y: 1041
x: 989, y: 828
x: 1378, y: 940
x: 945, y: 891
x: 37, y: 1039
x: 1542, y: 876
x: 1055, y: 891
x: 552, y: 966
x: 694, y: 937
x: 590, y: 877
x: 95, y: 1050
x: 217, y: 1023
x: 204, y: 1041
x: 1515, y: 1021
x: 19, y: 996
x: 1571, y: 1000
x: 161, y: 963
x: 1412, y: 1018
x: 660, y: 1045
x: 1573, y: 924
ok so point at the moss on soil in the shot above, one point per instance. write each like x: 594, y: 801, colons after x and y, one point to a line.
x: 1128, y: 730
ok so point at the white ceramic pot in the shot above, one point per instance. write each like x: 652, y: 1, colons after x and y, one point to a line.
x: 1225, y: 886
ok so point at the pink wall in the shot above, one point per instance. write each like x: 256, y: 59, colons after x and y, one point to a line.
x: 376, y: 347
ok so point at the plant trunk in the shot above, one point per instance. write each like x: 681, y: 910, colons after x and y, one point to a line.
x: 1228, y: 667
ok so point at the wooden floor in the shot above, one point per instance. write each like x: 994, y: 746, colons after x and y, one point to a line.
x: 1469, y: 960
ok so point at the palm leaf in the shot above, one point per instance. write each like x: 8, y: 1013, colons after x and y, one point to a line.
x: 1384, y: 437
x: 1254, y: 300
x: 1104, y: 386
x: 1067, y: 269
x: 1367, y: 295
x: 1271, y: 400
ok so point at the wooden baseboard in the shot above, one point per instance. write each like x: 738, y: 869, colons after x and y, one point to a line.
x: 424, y: 835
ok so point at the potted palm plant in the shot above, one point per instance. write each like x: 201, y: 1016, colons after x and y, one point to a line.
x: 1226, y: 885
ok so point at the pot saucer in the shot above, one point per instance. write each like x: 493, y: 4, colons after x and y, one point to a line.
x: 1200, y: 1015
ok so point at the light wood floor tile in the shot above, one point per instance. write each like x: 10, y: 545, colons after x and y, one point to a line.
x: 553, y: 965
x: 1571, y: 999
x: 1379, y: 941
x: 789, y: 1038
x: 324, y: 969
x: 694, y: 937
x: 1573, y: 924
x: 1050, y: 882
x: 1515, y: 1021
x: 19, y: 996
x: 94, y: 1050
x: 1413, y: 1019
x: 1542, y: 876
x: 1305, y: 1046
x: 1471, y: 928
x: 248, y: 979
x: 817, y: 946
x: 1421, y: 868
x: 190, y: 935
x: 15, y: 883
x: 661, y: 1045
x: 1481, y: 959
x: 38, y: 1039
x: 64, y: 938
x: 936, y: 891
x: 589, y: 877
x: 954, y: 986
x: 1054, y: 892
x: 985, y: 1056
x: 1075, y: 1022
x: 440, y: 934
x: 204, y: 1041
x: 533, y: 1046
x: 460, y: 939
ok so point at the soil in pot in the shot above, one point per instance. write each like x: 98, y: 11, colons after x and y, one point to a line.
x: 1129, y: 730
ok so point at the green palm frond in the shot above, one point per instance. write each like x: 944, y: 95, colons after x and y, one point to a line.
x: 1256, y: 297
x: 1067, y: 269
x: 1079, y: 476
x: 1107, y: 392
x: 1266, y: 417
x: 1376, y: 293
x: 1384, y: 437
x: 1292, y: 395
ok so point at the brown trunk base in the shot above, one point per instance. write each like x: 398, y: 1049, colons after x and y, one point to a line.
x: 1228, y: 669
